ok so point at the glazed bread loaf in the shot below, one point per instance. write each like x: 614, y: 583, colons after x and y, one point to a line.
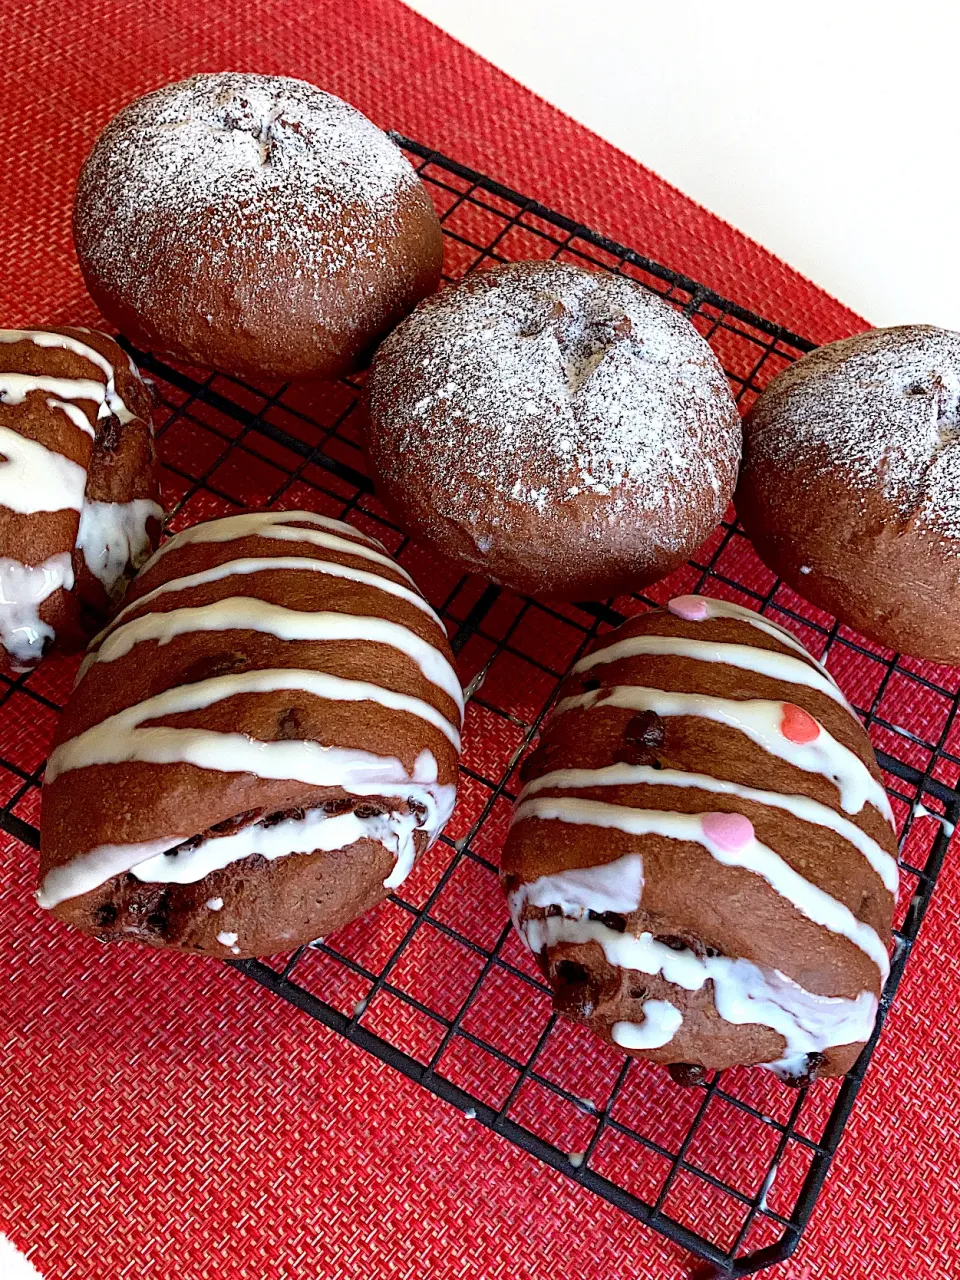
x: 703, y: 856
x: 270, y: 726
x: 850, y: 487
x: 571, y: 433
x: 78, y: 489
x: 253, y: 224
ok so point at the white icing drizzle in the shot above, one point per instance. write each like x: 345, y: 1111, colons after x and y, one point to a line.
x: 113, y: 538
x: 759, y: 719
x: 359, y: 774
x: 726, y: 609
x: 229, y: 568
x: 34, y: 478
x: 810, y: 900
x: 214, y: 904
x: 15, y: 387
x: 742, y: 991
x: 661, y: 1022
x: 23, y: 588
x: 803, y: 807
x: 279, y: 524
x: 121, y: 737
x: 74, y: 413
x: 247, y: 612
x: 314, y: 832
x: 611, y: 886
x: 109, y: 397
x: 778, y: 666
x: 921, y: 811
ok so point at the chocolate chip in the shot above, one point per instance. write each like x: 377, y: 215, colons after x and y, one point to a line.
x: 231, y: 825
x: 157, y: 921
x: 105, y: 914
x: 108, y: 436
x: 282, y: 815
x: 672, y: 941
x: 332, y: 807
x: 573, y: 992
x: 808, y: 1072
x: 289, y: 726
x: 590, y: 684
x: 552, y: 910
x: 611, y: 919
x: 639, y: 993
x: 687, y: 1074
x: 645, y: 730
x: 368, y: 811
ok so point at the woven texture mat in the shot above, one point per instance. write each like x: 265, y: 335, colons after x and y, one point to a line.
x: 166, y: 1118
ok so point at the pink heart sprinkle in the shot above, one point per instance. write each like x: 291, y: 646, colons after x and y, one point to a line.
x: 690, y: 608
x: 730, y: 831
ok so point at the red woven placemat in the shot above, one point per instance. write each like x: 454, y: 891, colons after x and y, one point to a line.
x: 164, y: 1117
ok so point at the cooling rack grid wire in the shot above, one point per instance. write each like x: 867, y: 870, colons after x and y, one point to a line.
x: 434, y: 982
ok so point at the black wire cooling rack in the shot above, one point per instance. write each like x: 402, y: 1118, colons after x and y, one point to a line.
x: 731, y: 1169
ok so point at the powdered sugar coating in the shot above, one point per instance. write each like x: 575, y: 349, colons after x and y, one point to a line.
x: 881, y: 411
x: 222, y: 150
x: 535, y: 387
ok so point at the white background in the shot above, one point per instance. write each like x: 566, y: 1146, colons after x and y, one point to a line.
x: 827, y: 131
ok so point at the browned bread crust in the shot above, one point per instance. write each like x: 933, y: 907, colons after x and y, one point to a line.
x: 253, y: 224
x: 329, y: 704
x: 850, y: 485
x: 571, y: 434
x: 677, y: 742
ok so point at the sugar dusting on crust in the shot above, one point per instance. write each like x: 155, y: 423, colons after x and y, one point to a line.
x: 222, y: 154
x: 538, y: 383
x: 883, y: 410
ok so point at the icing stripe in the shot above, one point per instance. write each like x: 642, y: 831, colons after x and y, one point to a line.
x: 266, y: 524
x: 267, y: 564
x: 743, y: 992
x: 74, y: 413
x: 250, y: 613
x: 120, y: 737
x: 34, y: 478
x: 15, y: 387
x: 803, y: 807
x: 357, y: 772
x: 760, y: 720
x: 724, y: 609
x: 751, y: 855
x: 778, y: 666
x: 113, y: 537
x: 661, y: 1022
x: 43, y: 338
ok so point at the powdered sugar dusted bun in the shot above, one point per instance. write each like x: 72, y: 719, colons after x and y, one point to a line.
x: 253, y: 224
x: 271, y: 723
x: 703, y: 856
x: 850, y: 487
x: 78, y: 490
x: 569, y: 432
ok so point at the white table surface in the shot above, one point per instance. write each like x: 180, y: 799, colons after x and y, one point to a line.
x: 825, y: 129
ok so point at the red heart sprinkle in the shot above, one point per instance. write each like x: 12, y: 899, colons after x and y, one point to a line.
x: 798, y: 725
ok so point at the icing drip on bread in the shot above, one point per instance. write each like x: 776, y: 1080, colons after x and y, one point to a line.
x: 37, y: 478
x: 571, y: 903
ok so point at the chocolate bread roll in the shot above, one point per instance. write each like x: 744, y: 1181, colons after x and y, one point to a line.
x: 78, y: 488
x: 253, y: 224
x: 850, y: 487
x: 271, y: 728
x: 703, y: 856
